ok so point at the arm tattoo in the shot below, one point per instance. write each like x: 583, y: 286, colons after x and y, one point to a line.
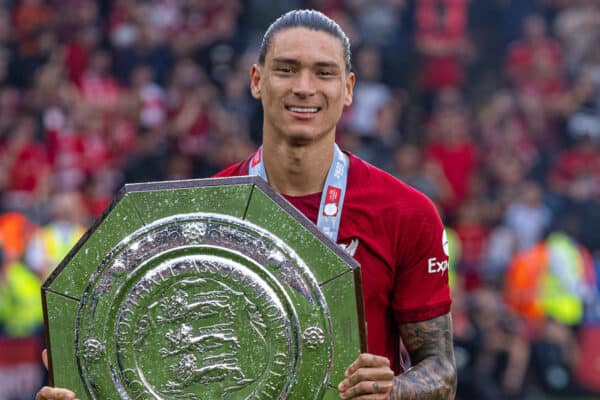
x: 433, y: 374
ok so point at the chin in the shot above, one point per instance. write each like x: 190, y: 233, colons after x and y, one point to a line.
x: 302, y: 137
x: 308, y: 133
x: 300, y: 133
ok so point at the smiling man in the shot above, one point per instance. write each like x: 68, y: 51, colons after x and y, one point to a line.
x: 304, y: 81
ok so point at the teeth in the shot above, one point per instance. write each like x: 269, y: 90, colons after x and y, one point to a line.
x: 303, y: 110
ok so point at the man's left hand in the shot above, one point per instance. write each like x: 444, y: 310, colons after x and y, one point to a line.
x: 369, y: 377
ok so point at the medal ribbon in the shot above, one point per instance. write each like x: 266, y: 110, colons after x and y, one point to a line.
x: 334, y: 191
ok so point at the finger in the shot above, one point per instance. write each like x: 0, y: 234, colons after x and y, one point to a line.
x: 365, y: 388
x: 379, y: 396
x: 49, y: 393
x: 367, y: 360
x: 45, y: 358
x: 369, y: 374
x: 379, y: 375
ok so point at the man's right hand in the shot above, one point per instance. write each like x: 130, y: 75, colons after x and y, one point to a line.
x: 50, y: 393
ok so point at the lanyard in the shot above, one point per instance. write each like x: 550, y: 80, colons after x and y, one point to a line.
x: 334, y: 191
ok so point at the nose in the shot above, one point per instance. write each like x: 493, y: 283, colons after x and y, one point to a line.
x: 304, y: 84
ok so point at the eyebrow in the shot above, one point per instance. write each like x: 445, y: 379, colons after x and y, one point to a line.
x: 322, y: 64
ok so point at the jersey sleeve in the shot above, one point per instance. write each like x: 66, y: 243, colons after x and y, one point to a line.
x: 421, y: 291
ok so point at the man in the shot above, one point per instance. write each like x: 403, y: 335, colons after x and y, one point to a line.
x: 20, y: 305
x: 51, y: 243
x: 303, y: 80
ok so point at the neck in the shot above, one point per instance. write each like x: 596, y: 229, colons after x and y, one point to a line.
x: 297, y: 170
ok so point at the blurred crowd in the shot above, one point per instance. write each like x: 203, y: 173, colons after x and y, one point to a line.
x: 491, y: 108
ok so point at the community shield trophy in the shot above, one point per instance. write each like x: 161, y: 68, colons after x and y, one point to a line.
x: 203, y: 289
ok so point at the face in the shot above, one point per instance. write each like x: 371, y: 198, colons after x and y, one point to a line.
x: 303, y: 85
x: 534, y: 27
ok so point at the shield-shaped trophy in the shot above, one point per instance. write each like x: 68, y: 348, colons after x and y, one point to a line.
x: 203, y: 289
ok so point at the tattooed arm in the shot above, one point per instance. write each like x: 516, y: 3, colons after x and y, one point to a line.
x: 432, y: 376
x: 433, y: 371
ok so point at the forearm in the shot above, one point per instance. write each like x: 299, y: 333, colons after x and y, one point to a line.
x: 433, y: 375
x: 428, y: 380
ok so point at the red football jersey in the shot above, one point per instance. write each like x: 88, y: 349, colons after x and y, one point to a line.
x: 397, y: 236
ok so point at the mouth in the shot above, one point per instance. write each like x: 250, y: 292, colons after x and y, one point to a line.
x: 303, y: 110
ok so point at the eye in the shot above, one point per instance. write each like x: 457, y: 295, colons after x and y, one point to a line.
x: 325, y: 73
x: 284, y: 69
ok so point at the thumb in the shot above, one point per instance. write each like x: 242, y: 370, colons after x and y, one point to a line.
x: 45, y: 358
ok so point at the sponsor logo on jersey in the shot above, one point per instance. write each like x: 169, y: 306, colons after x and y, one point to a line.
x: 351, y: 247
x: 332, y: 201
x: 434, y: 266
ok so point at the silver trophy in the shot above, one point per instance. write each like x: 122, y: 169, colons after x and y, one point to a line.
x: 203, y: 289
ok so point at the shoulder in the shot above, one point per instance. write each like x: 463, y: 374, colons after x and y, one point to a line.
x: 379, y: 189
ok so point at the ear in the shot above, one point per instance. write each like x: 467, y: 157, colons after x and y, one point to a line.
x: 255, y: 81
x: 350, y: 81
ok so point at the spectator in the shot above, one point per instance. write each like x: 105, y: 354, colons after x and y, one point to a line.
x: 451, y: 147
x: 577, y: 170
x: 79, y: 50
x: 528, y: 216
x: 53, y: 241
x: 26, y: 166
x: 31, y: 19
x: 577, y: 25
x: 443, y: 42
x: 16, y: 230
x: 98, y: 87
x: 506, y: 128
x: 502, y: 244
x: 378, y: 149
x: 534, y: 62
x: 377, y: 21
x: 371, y: 94
x: 552, y: 279
x: 472, y: 234
x: 191, y: 108
x: 20, y: 303
x: 427, y: 177
x: 498, y: 355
